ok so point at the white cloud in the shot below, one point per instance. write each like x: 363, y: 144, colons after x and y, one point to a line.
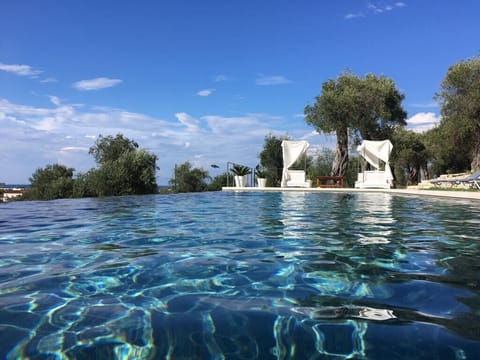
x: 48, y: 80
x: 240, y: 126
x: 376, y: 8
x: 189, y: 122
x: 354, y: 15
x: 205, y: 92
x: 63, y: 133
x: 431, y: 104
x: 74, y: 148
x: 8, y: 108
x: 54, y: 100
x: 271, y: 80
x: 238, y: 98
x: 219, y: 78
x: 21, y: 70
x: 423, y: 121
x: 96, y: 84
x: 55, y: 132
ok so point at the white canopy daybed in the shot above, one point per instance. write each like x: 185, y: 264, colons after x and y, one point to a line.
x: 292, y: 151
x: 376, y: 153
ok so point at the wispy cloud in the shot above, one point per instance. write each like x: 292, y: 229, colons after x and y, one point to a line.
x: 96, y: 84
x: 238, y: 98
x: 20, y: 70
x: 271, y: 80
x: 62, y: 132
x: 423, y: 121
x: 205, y: 92
x: 54, y: 100
x: 376, y: 8
x: 48, y: 80
x: 188, y: 121
x: 219, y: 78
x: 354, y: 15
x: 426, y: 105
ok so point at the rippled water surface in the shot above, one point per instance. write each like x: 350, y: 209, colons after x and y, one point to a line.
x: 240, y: 276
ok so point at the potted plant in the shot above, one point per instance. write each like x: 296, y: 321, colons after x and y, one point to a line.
x: 261, y: 175
x: 240, y: 172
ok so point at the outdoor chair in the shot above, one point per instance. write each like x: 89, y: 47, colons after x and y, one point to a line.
x: 473, y: 179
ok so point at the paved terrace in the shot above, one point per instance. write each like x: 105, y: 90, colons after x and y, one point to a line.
x: 468, y: 195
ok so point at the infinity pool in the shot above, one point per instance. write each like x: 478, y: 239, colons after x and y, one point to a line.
x: 240, y: 276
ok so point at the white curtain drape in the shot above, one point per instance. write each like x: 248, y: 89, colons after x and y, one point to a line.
x: 374, y: 151
x: 291, y: 151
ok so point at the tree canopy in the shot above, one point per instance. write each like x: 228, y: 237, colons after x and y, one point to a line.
x: 459, y: 97
x: 189, y: 179
x: 322, y: 165
x: 368, y: 108
x: 109, y: 148
x: 409, y: 156
x: 271, y: 158
x: 54, y: 181
x: 218, y: 182
x: 123, y: 169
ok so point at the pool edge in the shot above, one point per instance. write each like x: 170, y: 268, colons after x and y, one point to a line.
x: 436, y: 193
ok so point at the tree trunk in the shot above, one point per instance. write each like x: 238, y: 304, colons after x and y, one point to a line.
x: 476, y: 155
x: 340, y: 163
x: 426, y: 173
x: 394, y: 180
x: 413, y: 176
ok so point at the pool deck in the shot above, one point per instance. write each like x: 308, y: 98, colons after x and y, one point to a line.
x: 467, y: 195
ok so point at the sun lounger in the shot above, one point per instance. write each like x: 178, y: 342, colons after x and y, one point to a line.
x: 473, y: 179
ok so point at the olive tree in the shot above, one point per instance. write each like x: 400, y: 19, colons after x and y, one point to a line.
x: 321, y: 165
x: 109, y: 148
x: 189, y: 179
x: 445, y: 154
x: 51, y: 182
x: 124, y: 169
x: 367, y: 108
x: 271, y: 158
x: 409, y: 156
x: 459, y: 97
x: 218, y: 182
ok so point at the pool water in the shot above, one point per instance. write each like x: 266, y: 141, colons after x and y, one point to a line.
x: 240, y: 276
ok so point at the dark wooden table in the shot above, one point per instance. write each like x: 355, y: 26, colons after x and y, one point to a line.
x: 330, y: 181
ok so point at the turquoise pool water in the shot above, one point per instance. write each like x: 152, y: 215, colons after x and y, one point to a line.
x: 240, y: 276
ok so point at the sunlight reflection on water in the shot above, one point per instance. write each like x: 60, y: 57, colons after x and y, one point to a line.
x: 240, y: 275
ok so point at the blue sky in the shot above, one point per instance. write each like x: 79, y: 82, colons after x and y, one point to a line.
x: 206, y: 81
